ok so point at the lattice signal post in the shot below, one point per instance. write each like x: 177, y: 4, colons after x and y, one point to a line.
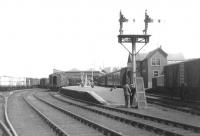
x: 131, y: 38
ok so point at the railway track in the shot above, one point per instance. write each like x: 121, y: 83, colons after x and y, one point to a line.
x: 4, y: 131
x: 5, y: 125
x: 49, y: 122
x: 157, y: 126
x: 24, y: 120
x: 132, y: 113
x: 193, y: 104
x: 1, y: 107
x: 94, y: 118
x: 174, y: 104
x: 70, y: 122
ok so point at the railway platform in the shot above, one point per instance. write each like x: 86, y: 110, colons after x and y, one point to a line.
x: 115, y: 98
x: 102, y: 95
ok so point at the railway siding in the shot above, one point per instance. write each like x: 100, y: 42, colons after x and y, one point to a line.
x: 4, y: 131
x: 171, y: 105
x: 175, y: 104
x: 3, y: 128
x: 51, y: 124
x: 24, y: 120
x: 2, y: 108
x: 7, y: 121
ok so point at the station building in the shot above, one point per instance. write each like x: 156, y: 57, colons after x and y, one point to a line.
x: 150, y: 65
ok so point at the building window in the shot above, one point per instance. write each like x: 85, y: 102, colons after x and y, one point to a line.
x: 155, y: 73
x: 155, y: 61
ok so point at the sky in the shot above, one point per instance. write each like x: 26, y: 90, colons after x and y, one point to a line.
x: 41, y: 35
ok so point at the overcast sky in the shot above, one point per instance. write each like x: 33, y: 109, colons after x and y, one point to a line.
x: 39, y: 35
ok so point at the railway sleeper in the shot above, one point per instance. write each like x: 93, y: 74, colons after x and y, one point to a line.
x: 52, y: 125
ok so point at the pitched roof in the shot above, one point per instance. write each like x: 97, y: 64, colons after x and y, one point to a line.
x: 57, y: 71
x: 143, y: 56
x: 154, y: 51
x: 139, y: 57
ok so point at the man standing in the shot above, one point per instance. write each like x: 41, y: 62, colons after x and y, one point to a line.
x: 126, y: 80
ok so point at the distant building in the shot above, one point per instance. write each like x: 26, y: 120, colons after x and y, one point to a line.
x: 18, y: 81
x: 107, y: 69
x: 64, y: 78
x: 56, y: 70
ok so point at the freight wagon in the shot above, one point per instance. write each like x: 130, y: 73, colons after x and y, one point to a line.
x: 183, y: 78
x: 44, y: 82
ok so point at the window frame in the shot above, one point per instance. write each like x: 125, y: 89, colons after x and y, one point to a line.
x: 154, y: 73
x: 155, y: 60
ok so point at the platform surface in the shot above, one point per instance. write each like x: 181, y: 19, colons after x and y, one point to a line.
x: 115, y: 97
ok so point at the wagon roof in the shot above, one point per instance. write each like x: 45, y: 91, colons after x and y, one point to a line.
x: 175, y: 57
x: 188, y: 60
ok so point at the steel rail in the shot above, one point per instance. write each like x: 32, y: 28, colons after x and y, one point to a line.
x: 177, y: 99
x: 6, y: 131
x: 106, y: 131
x: 8, y: 123
x: 189, y: 104
x: 50, y: 123
x: 156, y: 119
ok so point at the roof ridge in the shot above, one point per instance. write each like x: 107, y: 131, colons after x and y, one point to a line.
x: 143, y: 56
